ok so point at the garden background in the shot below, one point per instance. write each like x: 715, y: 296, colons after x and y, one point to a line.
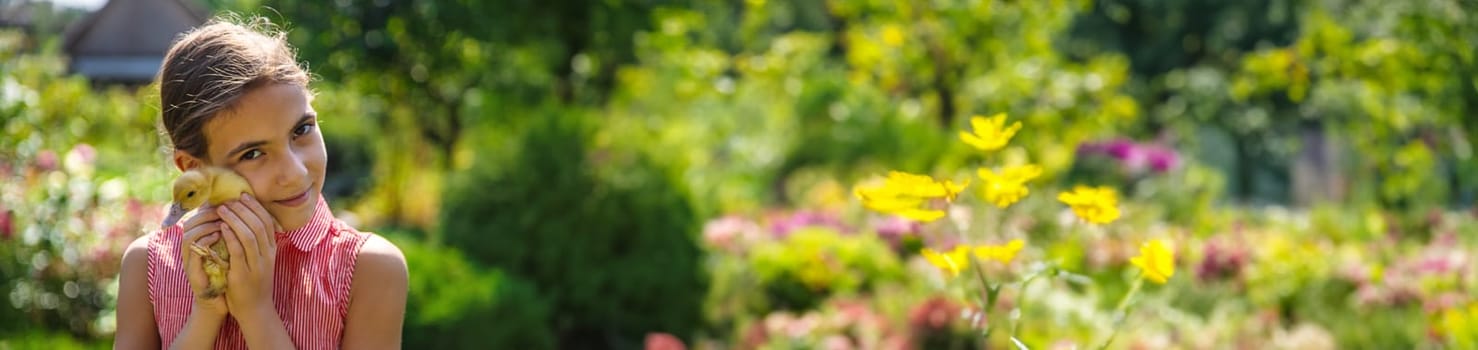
x: 635, y: 173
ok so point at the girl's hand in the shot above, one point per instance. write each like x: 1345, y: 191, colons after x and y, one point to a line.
x: 202, y: 228
x: 250, y: 238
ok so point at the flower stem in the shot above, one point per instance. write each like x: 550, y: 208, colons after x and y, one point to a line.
x: 991, y: 293
x: 1021, y: 305
x: 1119, y: 311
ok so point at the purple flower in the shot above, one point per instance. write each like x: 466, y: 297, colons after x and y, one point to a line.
x: 1133, y: 158
x: 1162, y: 159
x: 1120, y: 149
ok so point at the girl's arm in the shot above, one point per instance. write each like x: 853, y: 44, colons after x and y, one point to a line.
x: 376, y: 297
x: 264, y: 329
x: 135, y: 320
x: 136, y: 327
x: 200, y: 330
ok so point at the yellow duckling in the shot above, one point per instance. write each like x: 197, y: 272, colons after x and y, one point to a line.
x: 214, y: 186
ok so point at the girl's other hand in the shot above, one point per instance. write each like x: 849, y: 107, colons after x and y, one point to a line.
x: 252, y: 242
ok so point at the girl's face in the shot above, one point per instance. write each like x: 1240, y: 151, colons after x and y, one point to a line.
x: 271, y: 138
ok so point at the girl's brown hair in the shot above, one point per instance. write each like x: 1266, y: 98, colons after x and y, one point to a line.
x: 209, y: 68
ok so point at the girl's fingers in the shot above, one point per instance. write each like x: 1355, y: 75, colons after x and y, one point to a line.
x: 203, y: 215
x: 207, y: 240
x: 194, y: 272
x: 197, y: 234
x: 257, y: 226
x: 238, y: 259
x: 187, y: 261
x: 242, y: 233
x: 269, y: 222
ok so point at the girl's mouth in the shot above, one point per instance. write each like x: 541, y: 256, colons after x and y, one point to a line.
x: 295, y: 201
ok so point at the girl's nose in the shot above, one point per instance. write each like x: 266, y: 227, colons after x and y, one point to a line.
x: 293, y: 171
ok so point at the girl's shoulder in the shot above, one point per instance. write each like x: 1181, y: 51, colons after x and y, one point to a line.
x: 136, y: 255
x: 140, y: 247
x: 379, y: 250
x: 372, y: 253
x: 379, y: 258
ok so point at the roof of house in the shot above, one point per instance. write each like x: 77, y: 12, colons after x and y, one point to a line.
x: 126, y: 39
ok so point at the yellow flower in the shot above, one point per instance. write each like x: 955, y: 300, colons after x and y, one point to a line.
x: 908, y: 195
x: 990, y: 134
x: 1003, y: 253
x: 952, y: 262
x: 1156, y: 260
x: 1460, y: 324
x: 1099, y: 205
x: 893, y: 35
x: 1008, y: 186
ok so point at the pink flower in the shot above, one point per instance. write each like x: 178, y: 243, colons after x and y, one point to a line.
x: 81, y: 159
x: 933, y: 315
x: 45, y: 161
x: 849, y: 312
x: 1443, y: 301
x: 897, y: 342
x: 893, y: 228
x: 664, y: 341
x: 7, y: 224
x: 800, y: 327
x: 756, y: 336
x: 84, y: 153
x: 782, y: 227
x: 729, y: 233
x: 837, y: 342
x: 1221, y: 261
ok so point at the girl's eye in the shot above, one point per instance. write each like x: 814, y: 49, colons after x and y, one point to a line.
x: 252, y: 154
x: 302, y: 129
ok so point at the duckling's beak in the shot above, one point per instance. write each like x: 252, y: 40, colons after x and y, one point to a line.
x: 174, y: 215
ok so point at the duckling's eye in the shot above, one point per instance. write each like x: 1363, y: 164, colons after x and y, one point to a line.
x: 252, y: 154
x: 190, y: 194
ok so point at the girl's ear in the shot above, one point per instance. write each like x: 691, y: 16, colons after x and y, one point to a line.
x: 184, y: 161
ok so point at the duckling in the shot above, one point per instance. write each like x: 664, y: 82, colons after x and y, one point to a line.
x: 195, y: 188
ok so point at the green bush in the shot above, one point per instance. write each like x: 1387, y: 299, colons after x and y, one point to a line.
x: 455, y: 304
x: 814, y: 263
x: 607, y: 234
x: 55, y: 341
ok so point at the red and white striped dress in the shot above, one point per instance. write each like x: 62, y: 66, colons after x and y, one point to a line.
x: 315, y: 267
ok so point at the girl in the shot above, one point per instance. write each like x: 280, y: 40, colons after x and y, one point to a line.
x: 234, y: 96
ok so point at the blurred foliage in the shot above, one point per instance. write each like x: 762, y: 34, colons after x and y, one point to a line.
x: 1264, y: 83
x: 71, y: 198
x: 749, y: 116
x: 50, y: 341
x: 456, y: 303
x: 560, y: 155
x: 814, y: 263
x: 604, y: 232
